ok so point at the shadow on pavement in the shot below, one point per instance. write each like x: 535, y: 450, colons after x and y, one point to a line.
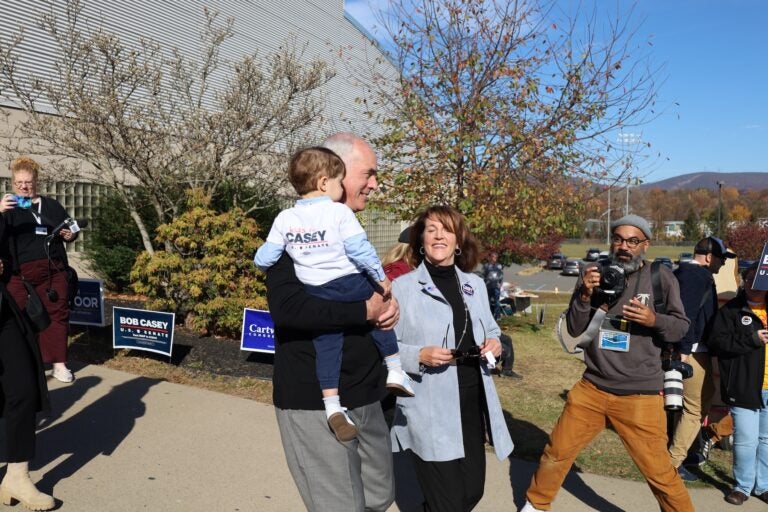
x: 98, y: 429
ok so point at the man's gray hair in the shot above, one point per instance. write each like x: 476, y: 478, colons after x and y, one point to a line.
x: 343, y: 143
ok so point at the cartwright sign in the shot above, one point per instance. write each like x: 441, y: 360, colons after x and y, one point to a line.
x: 258, y: 333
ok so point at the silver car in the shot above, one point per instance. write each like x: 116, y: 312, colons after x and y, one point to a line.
x: 572, y: 268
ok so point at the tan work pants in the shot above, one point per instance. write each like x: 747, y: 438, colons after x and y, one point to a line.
x: 640, y: 422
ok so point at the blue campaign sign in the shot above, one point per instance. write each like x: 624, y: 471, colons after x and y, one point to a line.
x: 761, y: 277
x: 88, y: 306
x: 140, y: 329
x: 258, y: 333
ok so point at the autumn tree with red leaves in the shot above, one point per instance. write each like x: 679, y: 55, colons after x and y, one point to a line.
x: 747, y: 239
x: 506, y: 113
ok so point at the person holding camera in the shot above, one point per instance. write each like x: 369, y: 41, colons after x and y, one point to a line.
x: 614, y: 306
x: 699, y: 295
x: 37, y: 251
x: 739, y: 337
x: 448, y: 341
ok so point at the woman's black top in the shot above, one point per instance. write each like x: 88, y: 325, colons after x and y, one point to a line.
x: 27, y: 231
x: 447, y: 282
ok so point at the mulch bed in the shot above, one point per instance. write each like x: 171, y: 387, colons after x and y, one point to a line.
x: 209, y: 354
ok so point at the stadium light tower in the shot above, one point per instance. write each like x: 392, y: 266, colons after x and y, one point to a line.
x: 628, y: 139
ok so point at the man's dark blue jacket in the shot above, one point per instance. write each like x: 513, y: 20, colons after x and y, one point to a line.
x: 694, y: 281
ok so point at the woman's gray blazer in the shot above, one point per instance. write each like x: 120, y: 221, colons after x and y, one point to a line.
x: 430, y: 422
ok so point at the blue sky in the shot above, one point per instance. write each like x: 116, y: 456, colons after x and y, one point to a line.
x: 714, y: 55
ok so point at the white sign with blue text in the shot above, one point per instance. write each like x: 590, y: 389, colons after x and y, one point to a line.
x: 258, y: 333
x: 140, y: 329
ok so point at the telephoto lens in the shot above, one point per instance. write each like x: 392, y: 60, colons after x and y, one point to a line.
x: 673, y: 390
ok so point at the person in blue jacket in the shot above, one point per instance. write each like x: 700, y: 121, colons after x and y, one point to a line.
x: 447, y: 338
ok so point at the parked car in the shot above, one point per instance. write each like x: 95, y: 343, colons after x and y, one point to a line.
x: 665, y: 261
x: 592, y: 254
x: 744, y: 264
x: 572, y: 268
x: 685, y: 257
x: 604, y: 255
x: 556, y: 261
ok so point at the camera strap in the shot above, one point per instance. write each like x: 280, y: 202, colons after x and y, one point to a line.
x: 658, y: 294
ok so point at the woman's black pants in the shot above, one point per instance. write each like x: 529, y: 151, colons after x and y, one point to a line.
x: 19, y: 387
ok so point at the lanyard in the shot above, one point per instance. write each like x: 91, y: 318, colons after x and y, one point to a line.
x: 39, y: 215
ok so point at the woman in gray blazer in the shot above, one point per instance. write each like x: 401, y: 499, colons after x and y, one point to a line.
x: 447, y: 335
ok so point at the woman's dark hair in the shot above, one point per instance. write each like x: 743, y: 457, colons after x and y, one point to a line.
x: 752, y: 268
x: 454, y: 222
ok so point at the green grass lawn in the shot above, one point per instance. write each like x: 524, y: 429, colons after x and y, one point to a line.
x: 533, y: 404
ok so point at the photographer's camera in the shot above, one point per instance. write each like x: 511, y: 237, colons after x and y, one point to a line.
x: 613, y: 280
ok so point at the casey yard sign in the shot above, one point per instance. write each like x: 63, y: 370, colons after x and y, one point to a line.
x: 140, y: 329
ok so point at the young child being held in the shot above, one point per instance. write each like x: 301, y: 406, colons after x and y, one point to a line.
x: 334, y: 259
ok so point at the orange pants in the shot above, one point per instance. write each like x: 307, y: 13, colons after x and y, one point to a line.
x: 640, y: 422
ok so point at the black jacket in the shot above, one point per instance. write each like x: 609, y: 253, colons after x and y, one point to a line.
x: 740, y: 353
x: 20, y: 228
x: 700, y: 308
x: 297, y: 317
x: 10, y: 312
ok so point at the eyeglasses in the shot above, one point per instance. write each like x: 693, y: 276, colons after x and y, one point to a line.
x: 23, y: 183
x: 473, y: 352
x: 632, y: 242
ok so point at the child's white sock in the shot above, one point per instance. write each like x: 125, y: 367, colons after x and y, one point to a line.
x: 332, y: 405
x: 393, y: 363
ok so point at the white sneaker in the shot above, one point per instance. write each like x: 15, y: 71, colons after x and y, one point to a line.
x: 63, y: 374
x: 399, y: 383
x: 529, y: 508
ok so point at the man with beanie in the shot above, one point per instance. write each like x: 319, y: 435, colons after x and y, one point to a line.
x: 699, y: 296
x: 623, y: 379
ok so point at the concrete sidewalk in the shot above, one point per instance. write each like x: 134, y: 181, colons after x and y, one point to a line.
x: 119, y: 442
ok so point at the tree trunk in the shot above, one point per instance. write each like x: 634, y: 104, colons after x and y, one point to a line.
x: 145, y: 238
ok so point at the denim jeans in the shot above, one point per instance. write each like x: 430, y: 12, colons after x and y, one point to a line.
x: 750, y: 448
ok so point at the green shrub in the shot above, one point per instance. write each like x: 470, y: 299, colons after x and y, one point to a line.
x: 209, y: 277
x: 114, y: 242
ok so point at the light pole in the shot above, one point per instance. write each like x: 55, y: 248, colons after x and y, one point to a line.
x: 720, y: 208
x: 626, y: 205
x: 608, y: 221
x: 627, y: 139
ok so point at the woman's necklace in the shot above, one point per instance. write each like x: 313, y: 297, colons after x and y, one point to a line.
x: 466, y: 312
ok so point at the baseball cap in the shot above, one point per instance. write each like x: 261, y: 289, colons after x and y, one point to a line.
x: 715, y: 246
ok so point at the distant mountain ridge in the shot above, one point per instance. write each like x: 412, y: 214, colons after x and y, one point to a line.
x: 694, y: 180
